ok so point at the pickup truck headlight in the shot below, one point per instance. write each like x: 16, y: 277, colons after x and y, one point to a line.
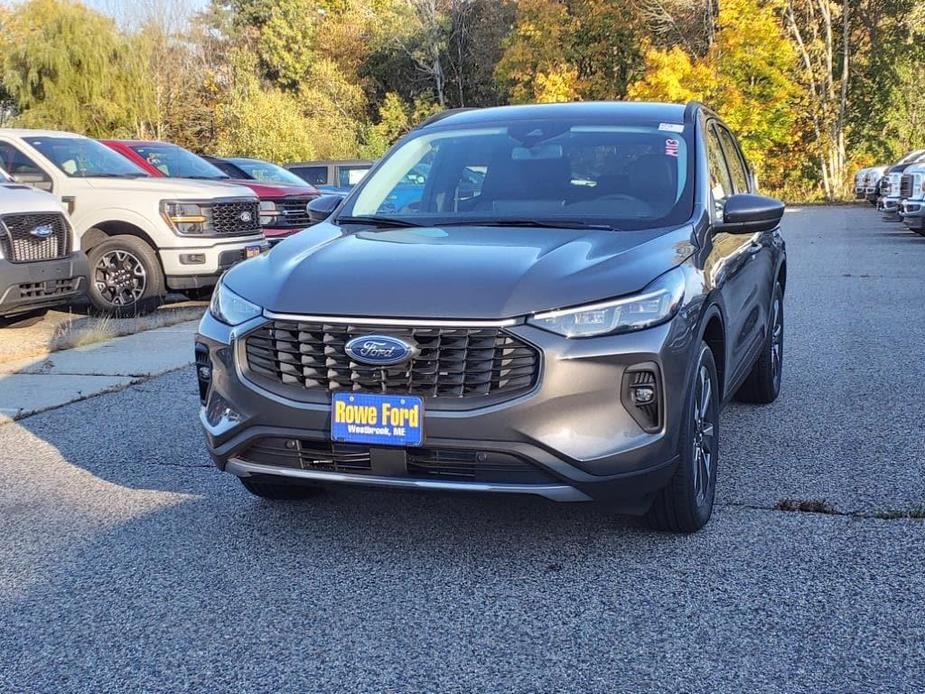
x: 187, y: 218
x: 269, y: 211
x: 655, y: 304
x: 230, y: 308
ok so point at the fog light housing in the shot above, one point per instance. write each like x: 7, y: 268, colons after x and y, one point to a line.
x: 203, y: 371
x: 642, y: 395
x: 192, y: 259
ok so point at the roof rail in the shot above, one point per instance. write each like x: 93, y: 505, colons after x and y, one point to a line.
x: 430, y: 120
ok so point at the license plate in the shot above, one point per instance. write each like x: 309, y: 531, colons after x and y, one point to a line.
x: 252, y: 251
x: 380, y: 420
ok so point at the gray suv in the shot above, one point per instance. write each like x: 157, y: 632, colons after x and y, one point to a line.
x: 560, y: 308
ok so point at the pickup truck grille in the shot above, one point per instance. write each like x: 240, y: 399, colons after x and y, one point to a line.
x: 905, y: 186
x: 236, y: 218
x: 292, y: 213
x: 32, y: 237
x: 450, y: 362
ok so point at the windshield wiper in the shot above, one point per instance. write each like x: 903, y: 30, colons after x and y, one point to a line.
x: 110, y: 175
x: 208, y: 178
x: 535, y: 223
x: 377, y: 221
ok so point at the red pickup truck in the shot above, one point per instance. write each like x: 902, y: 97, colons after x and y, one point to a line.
x: 283, y: 207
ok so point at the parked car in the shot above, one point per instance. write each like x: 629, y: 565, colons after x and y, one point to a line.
x: 332, y: 176
x: 570, y: 329
x: 41, y: 264
x: 283, y: 206
x: 872, y: 183
x: 890, y: 193
x: 142, y: 235
x: 860, y: 181
x: 912, y: 192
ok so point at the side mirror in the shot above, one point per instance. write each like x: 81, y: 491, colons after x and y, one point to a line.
x: 748, y: 214
x: 321, y: 208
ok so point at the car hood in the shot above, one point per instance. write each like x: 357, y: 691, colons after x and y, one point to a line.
x: 454, y: 272
x: 15, y: 197
x: 275, y: 190
x: 180, y: 188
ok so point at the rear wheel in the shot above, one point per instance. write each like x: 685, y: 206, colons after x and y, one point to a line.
x: 763, y: 383
x: 125, y: 277
x: 685, y: 504
x: 279, y: 492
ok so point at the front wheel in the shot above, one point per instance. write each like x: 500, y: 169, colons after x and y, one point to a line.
x: 685, y: 504
x: 125, y: 277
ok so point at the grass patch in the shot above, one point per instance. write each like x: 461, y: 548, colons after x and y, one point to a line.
x: 806, y: 506
x: 90, y: 331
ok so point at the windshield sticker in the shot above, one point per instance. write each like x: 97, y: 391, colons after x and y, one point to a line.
x: 671, y: 127
x: 671, y: 147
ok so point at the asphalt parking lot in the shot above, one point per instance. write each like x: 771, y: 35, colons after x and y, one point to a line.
x: 127, y: 563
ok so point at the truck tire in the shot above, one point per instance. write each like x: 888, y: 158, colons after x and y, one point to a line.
x: 126, y: 279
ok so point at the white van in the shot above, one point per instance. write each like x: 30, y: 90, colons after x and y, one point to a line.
x: 142, y: 235
x: 41, y: 264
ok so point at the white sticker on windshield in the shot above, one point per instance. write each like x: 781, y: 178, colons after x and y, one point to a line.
x: 671, y: 127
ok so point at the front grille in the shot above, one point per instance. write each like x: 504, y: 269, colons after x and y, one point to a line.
x: 420, y: 463
x: 449, y: 363
x: 236, y: 218
x: 293, y: 213
x: 905, y: 186
x: 37, y: 236
x: 49, y: 288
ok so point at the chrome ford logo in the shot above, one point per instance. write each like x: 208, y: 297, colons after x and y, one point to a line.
x: 43, y: 231
x: 379, y: 350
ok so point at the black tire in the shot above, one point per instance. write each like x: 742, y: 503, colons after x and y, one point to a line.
x: 279, y: 492
x: 685, y: 504
x: 126, y: 279
x: 763, y: 383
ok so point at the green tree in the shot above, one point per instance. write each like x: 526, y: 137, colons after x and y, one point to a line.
x: 66, y: 66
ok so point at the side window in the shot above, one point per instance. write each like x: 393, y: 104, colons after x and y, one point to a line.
x: 316, y: 175
x: 22, y: 169
x: 736, y: 163
x: 720, y: 182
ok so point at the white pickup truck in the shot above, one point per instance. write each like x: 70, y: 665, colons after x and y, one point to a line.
x: 40, y: 263
x: 142, y: 235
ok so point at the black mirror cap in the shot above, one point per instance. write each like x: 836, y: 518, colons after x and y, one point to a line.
x: 321, y: 208
x: 747, y: 214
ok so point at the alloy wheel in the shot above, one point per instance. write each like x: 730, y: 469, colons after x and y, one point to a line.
x: 704, y: 428
x: 120, y: 278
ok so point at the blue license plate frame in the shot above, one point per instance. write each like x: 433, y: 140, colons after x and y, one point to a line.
x: 377, y: 420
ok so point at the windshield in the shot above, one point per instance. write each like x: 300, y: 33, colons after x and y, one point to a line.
x: 628, y: 177
x: 266, y: 172
x: 81, y: 157
x: 176, y: 162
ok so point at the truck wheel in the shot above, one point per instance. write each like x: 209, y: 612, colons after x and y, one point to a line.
x: 279, y: 492
x: 685, y: 504
x: 763, y: 383
x: 125, y: 277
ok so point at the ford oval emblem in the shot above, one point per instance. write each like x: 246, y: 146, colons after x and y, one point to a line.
x: 379, y: 350
x: 246, y: 216
x: 43, y: 231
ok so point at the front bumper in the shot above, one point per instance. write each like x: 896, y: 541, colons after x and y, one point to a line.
x: 195, y: 267
x: 41, y: 284
x: 890, y: 208
x: 573, y: 427
x: 913, y: 214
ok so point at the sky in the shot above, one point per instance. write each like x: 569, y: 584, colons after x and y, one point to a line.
x: 130, y: 12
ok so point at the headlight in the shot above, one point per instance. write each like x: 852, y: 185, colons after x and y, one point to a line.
x: 185, y: 217
x: 655, y: 304
x: 230, y: 308
x: 268, y: 212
